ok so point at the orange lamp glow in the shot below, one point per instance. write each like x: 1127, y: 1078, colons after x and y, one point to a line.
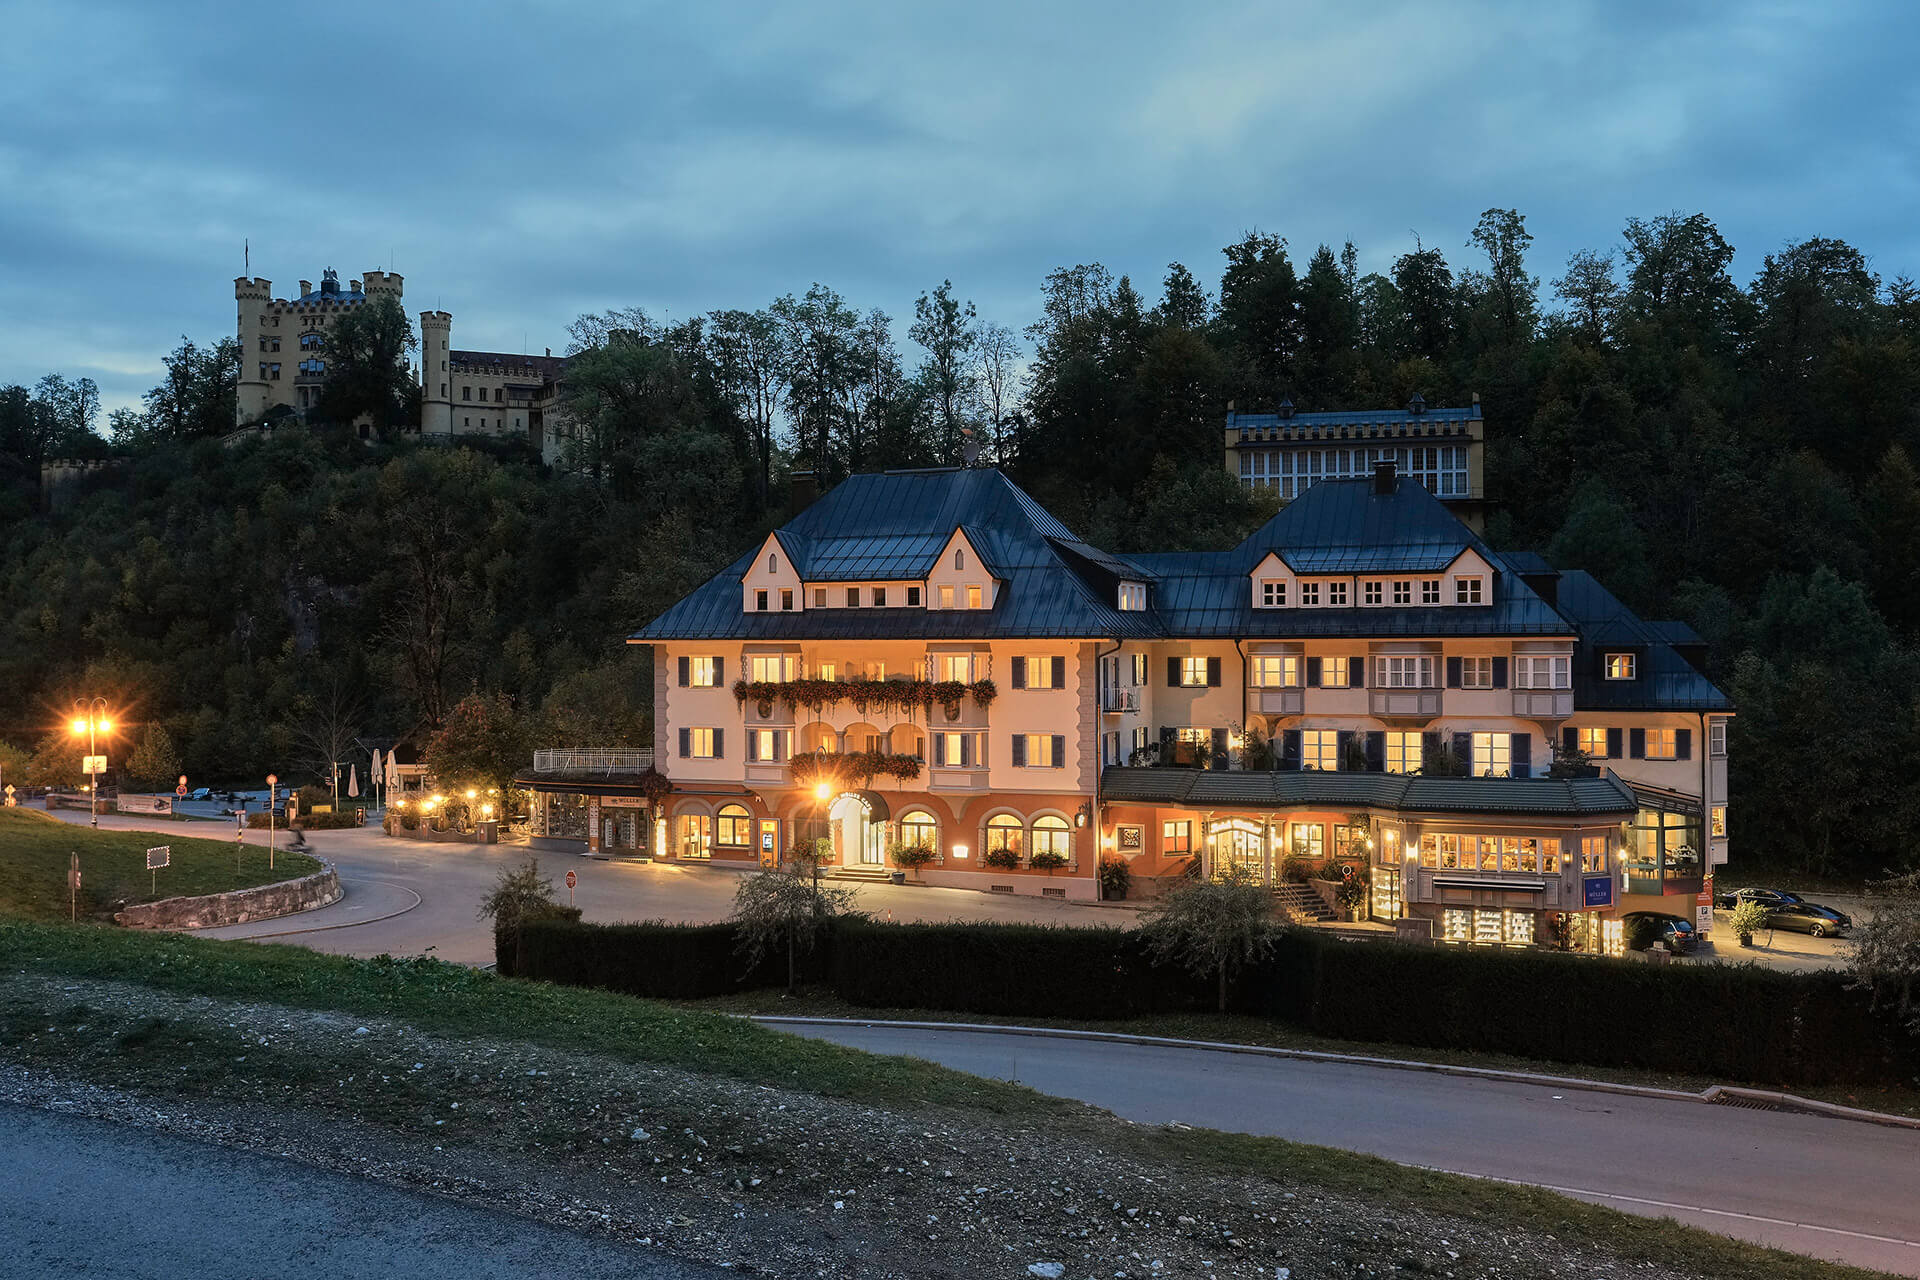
x: 79, y: 726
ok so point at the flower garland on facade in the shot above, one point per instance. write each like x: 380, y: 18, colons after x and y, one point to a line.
x: 898, y: 696
x: 853, y: 770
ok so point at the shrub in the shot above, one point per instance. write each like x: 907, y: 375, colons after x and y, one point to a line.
x: 1116, y: 877
x: 654, y: 960
x: 911, y: 856
x: 1749, y: 918
x: 1000, y: 859
x: 311, y: 821
x: 1047, y: 860
x: 1212, y: 928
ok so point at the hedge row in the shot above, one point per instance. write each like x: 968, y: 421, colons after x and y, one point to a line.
x: 1732, y: 1022
x: 335, y: 821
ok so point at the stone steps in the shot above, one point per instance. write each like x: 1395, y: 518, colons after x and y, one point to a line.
x: 1300, y: 904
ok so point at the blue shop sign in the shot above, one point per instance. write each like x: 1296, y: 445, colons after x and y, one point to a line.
x: 1599, y: 891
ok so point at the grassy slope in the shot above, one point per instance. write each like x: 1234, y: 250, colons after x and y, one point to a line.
x: 451, y: 1000
x: 34, y: 852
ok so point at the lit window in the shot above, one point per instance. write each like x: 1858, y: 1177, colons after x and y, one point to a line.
x: 1139, y: 668
x: 1176, y: 838
x: 1620, y: 666
x: 1476, y: 673
x: 918, y: 829
x: 1370, y: 593
x: 954, y: 666
x: 1541, y: 671
x: 1273, y: 595
x: 732, y: 827
x: 1493, y: 754
x: 1594, y: 743
x: 953, y: 750
x: 1430, y: 591
x: 1406, y: 752
x: 700, y: 744
x: 696, y: 835
x: 1593, y: 854
x: 1036, y: 751
x: 973, y: 598
x: 1276, y: 671
x: 1319, y: 749
x: 1310, y: 593
x: 946, y: 597
x: 701, y: 673
x: 1005, y: 832
x: 1309, y: 841
x: 1403, y: 592
x: 770, y: 668
x: 1661, y: 744
x: 1466, y: 591
x: 1193, y: 672
x: 1133, y: 596
x: 764, y: 744
x: 1719, y: 827
x: 1335, y: 673
x: 1051, y: 835
x: 1039, y: 671
x: 1337, y: 594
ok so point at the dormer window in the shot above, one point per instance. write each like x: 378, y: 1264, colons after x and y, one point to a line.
x: 1309, y: 594
x: 1370, y: 593
x: 1466, y: 591
x: 1403, y: 592
x: 819, y: 597
x: 1273, y: 595
x: 1133, y: 596
x: 760, y: 601
x: 879, y: 597
x: 1430, y: 591
x: 1621, y: 666
x: 853, y: 597
x: 974, y: 598
x: 773, y: 564
x: 959, y: 559
x: 913, y: 597
x: 1337, y: 594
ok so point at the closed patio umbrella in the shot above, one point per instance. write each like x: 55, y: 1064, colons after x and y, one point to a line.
x: 353, y: 780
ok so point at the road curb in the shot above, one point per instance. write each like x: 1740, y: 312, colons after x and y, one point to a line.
x: 324, y: 928
x: 1714, y: 1095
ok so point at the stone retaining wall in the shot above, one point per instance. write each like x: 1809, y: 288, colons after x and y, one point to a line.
x: 262, y: 902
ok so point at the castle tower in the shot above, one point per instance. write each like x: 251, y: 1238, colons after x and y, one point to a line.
x: 436, y: 402
x: 378, y: 283
x: 252, y: 298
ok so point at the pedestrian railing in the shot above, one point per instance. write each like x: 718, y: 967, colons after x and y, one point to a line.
x: 635, y: 760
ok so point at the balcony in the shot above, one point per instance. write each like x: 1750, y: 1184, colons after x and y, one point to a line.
x: 1403, y: 704
x: 768, y: 772
x: 778, y: 715
x: 1543, y: 704
x: 1115, y: 702
x: 947, y: 778
x: 1288, y: 700
x: 636, y: 760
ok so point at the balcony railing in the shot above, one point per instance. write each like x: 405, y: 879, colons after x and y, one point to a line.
x: 1117, y: 701
x: 1543, y: 704
x: 1404, y: 704
x: 634, y: 760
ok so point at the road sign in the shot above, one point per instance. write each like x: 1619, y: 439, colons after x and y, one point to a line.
x: 159, y: 857
x: 272, y: 779
x: 94, y: 764
x: 180, y: 790
x: 572, y: 879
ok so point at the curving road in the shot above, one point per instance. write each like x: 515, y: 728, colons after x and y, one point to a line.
x: 1836, y: 1189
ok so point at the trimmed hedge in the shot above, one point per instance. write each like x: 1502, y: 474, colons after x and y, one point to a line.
x: 1732, y: 1022
x: 338, y: 820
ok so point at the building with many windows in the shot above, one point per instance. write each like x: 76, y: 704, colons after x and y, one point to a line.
x: 931, y: 659
x: 1285, y: 452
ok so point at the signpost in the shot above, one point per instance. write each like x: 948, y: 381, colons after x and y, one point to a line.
x: 73, y: 883
x: 572, y: 880
x: 180, y: 788
x: 273, y: 791
x: 156, y: 858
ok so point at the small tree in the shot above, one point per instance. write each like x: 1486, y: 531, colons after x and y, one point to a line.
x: 1570, y: 763
x: 1884, y: 953
x: 519, y: 895
x: 1213, y: 928
x: 784, y: 908
x: 154, y: 763
x: 1749, y: 917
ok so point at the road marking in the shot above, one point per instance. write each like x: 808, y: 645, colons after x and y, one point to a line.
x: 1679, y: 1208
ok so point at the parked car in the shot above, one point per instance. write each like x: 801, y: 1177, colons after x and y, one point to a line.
x: 1675, y: 931
x: 201, y: 793
x: 1790, y: 911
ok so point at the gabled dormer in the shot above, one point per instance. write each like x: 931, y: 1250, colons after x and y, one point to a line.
x: 961, y: 578
x: 1273, y: 583
x: 1468, y: 581
x: 772, y: 582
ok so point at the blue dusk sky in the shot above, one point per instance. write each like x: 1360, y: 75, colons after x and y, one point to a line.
x: 522, y: 163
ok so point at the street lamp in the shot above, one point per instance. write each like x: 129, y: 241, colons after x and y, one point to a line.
x: 90, y: 717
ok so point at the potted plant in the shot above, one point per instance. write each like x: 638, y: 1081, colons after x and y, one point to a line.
x: 910, y: 857
x: 1000, y: 859
x: 1749, y: 918
x: 1353, y: 892
x: 1116, y: 877
x: 1047, y: 860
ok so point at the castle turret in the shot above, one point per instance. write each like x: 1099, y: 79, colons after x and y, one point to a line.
x: 436, y: 340
x: 377, y: 283
x: 253, y: 396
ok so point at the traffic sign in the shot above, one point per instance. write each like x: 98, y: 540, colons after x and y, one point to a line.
x: 180, y: 790
x: 572, y: 879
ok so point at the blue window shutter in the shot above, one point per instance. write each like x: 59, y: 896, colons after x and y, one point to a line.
x: 1683, y: 744
x: 1219, y: 760
x: 1569, y: 740
x: 1213, y: 673
x: 1637, y: 743
x: 1059, y: 751
x: 1523, y: 755
x: 719, y: 744
x: 1313, y: 673
x: 1453, y: 673
x: 686, y: 664
x: 1173, y: 672
x: 1059, y: 673
x: 1463, y: 750
x: 1290, y: 749
x: 1499, y: 673
x: 1613, y: 744
x: 1429, y: 748
x: 1357, y: 672
x: 720, y: 672
x: 1342, y: 743
x: 753, y: 745
x: 686, y: 743
x: 1019, y: 673
x: 1019, y: 756
x: 1376, y: 751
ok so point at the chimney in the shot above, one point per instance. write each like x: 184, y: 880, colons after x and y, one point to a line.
x: 353, y: 286
x: 805, y: 489
x: 306, y: 287
x: 549, y: 353
x: 1383, y: 481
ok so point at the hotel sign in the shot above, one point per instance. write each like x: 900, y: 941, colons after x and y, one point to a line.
x: 1599, y: 891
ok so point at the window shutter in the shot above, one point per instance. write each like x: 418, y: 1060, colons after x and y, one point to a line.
x: 1357, y: 672
x: 1313, y: 673
x: 1376, y: 751
x: 1613, y: 744
x: 1059, y: 760
x: 1429, y: 749
x: 753, y: 745
x: 686, y: 743
x: 1019, y: 673
x: 686, y: 674
x: 1019, y: 756
x: 1173, y: 672
x: 1213, y: 673
x: 1342, y: 743
x: 1637, y: 743
x: 1499, y: 673
x: 1290, y: 749
x: 966, y: 751
x: 780, y: 744
x: 1523, y: 755
x: 1683, y: 744
x: 1453, y: 673
x: 720, y: 672
x: 1463, y: 750
x: 1569, y: 740
x: 1059, y: 673
x: 719, y: 744
x: 1219, y: 748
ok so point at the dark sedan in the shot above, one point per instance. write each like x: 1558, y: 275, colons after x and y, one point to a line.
x: 1644, y: 928
x: 1790, y: 911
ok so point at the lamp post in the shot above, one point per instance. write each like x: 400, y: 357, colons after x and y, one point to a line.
x: 90, y: 718
x: 821, y: 794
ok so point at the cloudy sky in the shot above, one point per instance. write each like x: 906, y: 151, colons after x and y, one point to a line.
x: 520, y: 163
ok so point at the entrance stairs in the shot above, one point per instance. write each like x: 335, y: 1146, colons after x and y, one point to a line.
x: 1299, y: 904
x: 870, y: 872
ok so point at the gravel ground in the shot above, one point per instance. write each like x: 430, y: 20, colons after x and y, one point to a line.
x: 774, y: 1182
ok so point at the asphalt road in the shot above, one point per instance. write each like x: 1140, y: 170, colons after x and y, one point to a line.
x: 80, y: 1197
x: 1834, y: 1189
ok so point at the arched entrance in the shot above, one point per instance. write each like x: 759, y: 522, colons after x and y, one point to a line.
x: 857, y: 827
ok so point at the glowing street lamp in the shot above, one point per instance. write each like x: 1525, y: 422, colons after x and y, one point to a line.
x: 90, y: 717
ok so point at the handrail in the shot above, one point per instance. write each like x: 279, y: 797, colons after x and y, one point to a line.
x: 619, y: 760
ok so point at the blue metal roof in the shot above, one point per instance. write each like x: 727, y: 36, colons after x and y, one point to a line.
x: 1663, y: 679
x: 1407, y: 793
x: 1352, y: 418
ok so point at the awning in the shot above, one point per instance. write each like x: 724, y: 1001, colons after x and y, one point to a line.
x: 1482, y: 882
x: 876, y: 804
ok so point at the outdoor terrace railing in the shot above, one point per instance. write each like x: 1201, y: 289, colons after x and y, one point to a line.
x: 634, y: 760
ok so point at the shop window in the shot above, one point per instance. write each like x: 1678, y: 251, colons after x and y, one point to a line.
x: 1239, y: 844
x: 1309, y: 841
x: 695, y: 835
x: 1176, y: 839
x: 1005, y: 832
x: 918, y: 828
x: 732, y: 827
x: 1593, y: 854
x: 1386, y: 893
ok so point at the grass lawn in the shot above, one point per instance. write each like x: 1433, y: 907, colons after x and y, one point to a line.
x: 453, y: 1001
x: 35, y: 848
